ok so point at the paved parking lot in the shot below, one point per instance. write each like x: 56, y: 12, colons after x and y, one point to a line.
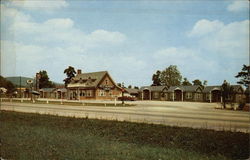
x: 187, y: 114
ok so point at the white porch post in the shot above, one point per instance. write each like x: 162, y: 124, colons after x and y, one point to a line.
x: 150, y: 95
x: 210, y: 96
x: 142, y: 95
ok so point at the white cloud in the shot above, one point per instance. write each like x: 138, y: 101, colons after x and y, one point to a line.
x: 228, y: 39
x: 204, y: 27
x: 39, y: 4
x: 238, y: 5
x: 58, y: 30
x: 102, y: 35
x: 56, y: 43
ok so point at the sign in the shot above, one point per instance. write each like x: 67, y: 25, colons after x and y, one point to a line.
x: 38, y: 75
x: 29, y: 81
x: 106, y: 88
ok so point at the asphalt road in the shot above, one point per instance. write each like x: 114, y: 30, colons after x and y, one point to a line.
x: 186, y: 114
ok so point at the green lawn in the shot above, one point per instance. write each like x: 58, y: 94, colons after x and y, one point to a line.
x: 33, y: 136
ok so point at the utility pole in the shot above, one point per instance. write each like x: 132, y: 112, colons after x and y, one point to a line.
x: 20, y: 92
x: 123, y: 93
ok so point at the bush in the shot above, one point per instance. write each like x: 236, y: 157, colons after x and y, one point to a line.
x: 241, y: 106
x: 246, y: 107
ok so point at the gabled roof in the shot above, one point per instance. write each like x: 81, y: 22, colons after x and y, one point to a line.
x: 47, y: 89
x: 89, y: 80
x: 237, y: 87
x: 208, y: 89
x: 153, y: 88
x: 61, y: 90
x: 132, y: 90
x: 184, y: 88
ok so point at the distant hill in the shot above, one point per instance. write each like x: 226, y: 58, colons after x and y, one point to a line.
x: 17, y: 81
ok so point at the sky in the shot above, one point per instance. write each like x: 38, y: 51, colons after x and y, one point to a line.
x: 131, y: 39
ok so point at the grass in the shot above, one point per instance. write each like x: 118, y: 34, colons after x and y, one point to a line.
x: 72, y: 103
x: 33, y: 136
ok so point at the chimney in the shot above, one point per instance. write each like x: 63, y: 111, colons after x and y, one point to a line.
x: 79, y: 71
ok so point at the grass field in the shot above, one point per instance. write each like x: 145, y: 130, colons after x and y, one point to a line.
x: 33, y: 136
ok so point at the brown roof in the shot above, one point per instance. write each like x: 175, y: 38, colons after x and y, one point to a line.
x: 132, y: 90
x: 153, y: 88
x: 91, y: 79
x: 184, y: 88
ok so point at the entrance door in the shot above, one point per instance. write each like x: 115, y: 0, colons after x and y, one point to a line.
x: 215, y: 96
x: 145, y: 94
x: 178, y: 94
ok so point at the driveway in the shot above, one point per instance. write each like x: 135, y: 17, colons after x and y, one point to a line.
x: 185, y: 114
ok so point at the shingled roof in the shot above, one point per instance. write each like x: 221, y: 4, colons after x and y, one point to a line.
x: 237, y: 88
x: 184, y: 88
x: 208, y: 89
x: 91, y: 79
x: 132, y: 90
x: 153, y: 88
x: 47, y: 89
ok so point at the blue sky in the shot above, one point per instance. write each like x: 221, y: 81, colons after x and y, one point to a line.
x: 207, y: 40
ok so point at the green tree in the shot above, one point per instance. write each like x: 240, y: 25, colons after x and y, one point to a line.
x: 186, y: 82
x: 7, y: 85
x: 156, y: 78
x: 129, y: 86
x: 204, y: 83
x: 244, y: 76
x: 70, y: 73
x: 171, y: 76
x: 119, y: 84
x: 197, y: 82
x: 226, y: 93
x: 135, y: 87
x: 44, y: 81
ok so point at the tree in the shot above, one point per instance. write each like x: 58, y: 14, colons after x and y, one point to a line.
x: 197, y: 82
x: 129, y: 86
x: 171, y: 76
x: 226, y: 93
x: 7, y: 85
x: 44, y: 81
x: 135, y: 87
x: 156, y: 78
x: 70, y: 73
x: 119, y: 84
x: 186, y: 82
x: 204, y: 83
x: 244, y: 76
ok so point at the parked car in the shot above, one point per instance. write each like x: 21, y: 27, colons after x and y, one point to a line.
x: 126, y: 98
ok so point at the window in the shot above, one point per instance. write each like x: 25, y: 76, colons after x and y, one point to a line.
x: 102, y: 93
x: 106, y: 81
x: 207, y: 96
x: 198, y: 95
x: 110, y: 93
x: 82, y: 93
x: 189, y: 95
x: 89, y: 93
x: 155, y: 94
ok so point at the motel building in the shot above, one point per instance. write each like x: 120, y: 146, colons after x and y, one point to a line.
x: 93, y: 86
x: 194, y: 93
x: 173, y: 93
